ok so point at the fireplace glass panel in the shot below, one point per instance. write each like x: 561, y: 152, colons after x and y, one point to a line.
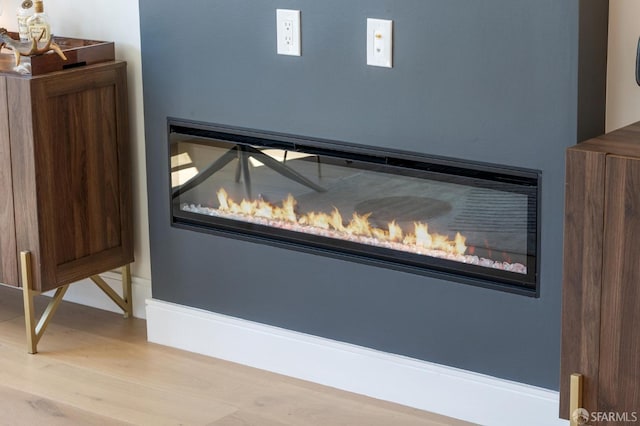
x: 470, y: 222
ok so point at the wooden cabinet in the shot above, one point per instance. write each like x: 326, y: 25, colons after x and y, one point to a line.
x: 65, y: 184
x: 601, y: 283
x: 65, y: 174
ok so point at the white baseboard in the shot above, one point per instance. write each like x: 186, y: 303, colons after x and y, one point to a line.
x: 432, y: 387
x: 85, y: 292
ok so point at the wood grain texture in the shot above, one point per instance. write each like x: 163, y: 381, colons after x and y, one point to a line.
x: 601, y: 294
x: 78, y: 159
x: 582, y: 273
x: 69, y: 131
x: 8, y: 254
x: 23, y: 408
x: 624, y: 141
x: 81, y: 155
x: 93, y: 363
x: 619, y: 378
x: 24, y: 183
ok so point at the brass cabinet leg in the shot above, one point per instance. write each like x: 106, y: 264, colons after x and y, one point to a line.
x: 575, y: 401
x: 125, y: 302
x: 35, y: 331
x: 127, y: 292
x: 27, y: 293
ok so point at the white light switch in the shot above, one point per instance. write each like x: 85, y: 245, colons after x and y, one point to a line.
x: 380, y: 42
x: 288, y: 32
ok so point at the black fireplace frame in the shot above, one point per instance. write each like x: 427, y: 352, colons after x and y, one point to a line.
x: 527, y: 285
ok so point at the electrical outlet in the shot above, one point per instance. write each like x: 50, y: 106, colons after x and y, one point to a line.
x: 288, y: 32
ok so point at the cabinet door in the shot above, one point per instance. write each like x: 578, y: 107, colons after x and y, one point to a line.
x: 8, y: 255
x: 601, y: 278
x: 582, y: 274
x: 69, y: 133
x: 619, y: 372
x: 82, y: 160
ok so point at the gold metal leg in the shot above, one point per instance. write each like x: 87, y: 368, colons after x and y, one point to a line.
x: 127, y: 290
x: 35, y: 331
x: 29, y: 315
x: 575, y: 399
x: 126, y: 301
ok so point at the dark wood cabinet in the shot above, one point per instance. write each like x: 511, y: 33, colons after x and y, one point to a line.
x: 601, y: 282
x: 65, y: 184
x: 65, y: 174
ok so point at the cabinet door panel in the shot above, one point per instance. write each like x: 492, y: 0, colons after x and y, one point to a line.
x: 620, y: 309
x: 82, y: 163
x: 8, y: 259
x: 583, y: 231
x: 83, y: 173
x: 8, y: 254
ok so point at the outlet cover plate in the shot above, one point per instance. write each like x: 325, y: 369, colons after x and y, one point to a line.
x: 380, y: 42
x: 288, y: 32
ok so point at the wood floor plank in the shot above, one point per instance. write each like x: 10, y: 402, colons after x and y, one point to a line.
x: 96, y: 363
x: 10, y: 305
x: 21, y: 408
x: 246, y: 418
x: 315, y: 408
x: 106, y: 396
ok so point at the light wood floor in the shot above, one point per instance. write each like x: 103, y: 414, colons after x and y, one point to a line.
x: 96, y: 368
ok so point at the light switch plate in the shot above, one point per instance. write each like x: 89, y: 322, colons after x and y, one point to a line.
x: 288, y: 32
x: 380, y: 42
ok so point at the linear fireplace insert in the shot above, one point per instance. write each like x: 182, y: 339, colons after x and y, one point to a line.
x: 471, y: 222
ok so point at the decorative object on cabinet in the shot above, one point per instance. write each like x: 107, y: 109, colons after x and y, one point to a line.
x: 601, y: 295
x: 78, y: 52
x: 24, y: 12
x: 66, y: 184
x: 32, y: 47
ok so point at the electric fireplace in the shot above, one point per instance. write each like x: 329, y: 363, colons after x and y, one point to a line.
x: 470, y: 222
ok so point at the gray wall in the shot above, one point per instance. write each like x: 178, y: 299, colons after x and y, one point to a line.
x: 491, y: 80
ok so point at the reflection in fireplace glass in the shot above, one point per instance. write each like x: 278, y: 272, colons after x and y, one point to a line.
x: 471, y: 222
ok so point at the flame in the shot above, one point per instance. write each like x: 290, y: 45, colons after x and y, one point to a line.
x: 395, y: 232
x: 359, y: 224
